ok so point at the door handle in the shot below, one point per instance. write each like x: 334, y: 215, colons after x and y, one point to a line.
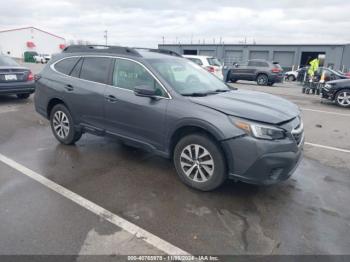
x: 69, y: 87
x: 111, y: 98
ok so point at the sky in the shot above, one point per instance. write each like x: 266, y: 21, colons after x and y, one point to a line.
x: 149, y: 23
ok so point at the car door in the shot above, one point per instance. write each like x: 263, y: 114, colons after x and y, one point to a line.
x: 86, y: 89
x: 240, y: 71
x: 138, y: 119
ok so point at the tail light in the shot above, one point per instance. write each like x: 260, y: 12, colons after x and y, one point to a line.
x: 210, y: 69
x: 30, y: 76
x: 276, y: 70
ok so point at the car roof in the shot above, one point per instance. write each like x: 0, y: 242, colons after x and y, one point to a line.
x: 197, y: 56
x: 135, y: 53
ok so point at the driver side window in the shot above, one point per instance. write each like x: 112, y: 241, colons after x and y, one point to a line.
x: 128, y: 75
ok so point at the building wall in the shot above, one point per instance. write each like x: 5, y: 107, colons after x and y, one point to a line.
x: 290, y: 56
x: 15, y: 42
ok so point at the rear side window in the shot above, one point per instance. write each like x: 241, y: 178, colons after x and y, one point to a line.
x: 213, y: 61
x: 96, y: 69
x: 77, y: 68
x: 196, y: 60
x: 258, y: 64
x: 65, y: 66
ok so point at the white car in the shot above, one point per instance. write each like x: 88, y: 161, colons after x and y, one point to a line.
x: 292, y: 75
x: 42, y: 58
x: 210, y: 63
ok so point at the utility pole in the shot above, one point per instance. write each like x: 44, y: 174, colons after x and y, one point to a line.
x: 163, y: 38
x: 106, y: 36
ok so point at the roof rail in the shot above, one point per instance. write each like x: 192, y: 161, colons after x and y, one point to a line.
x: 161, y: 51
x: 101, y: 49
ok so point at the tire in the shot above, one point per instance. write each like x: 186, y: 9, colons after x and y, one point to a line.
x: 342, y: 98
x: 204, y: 177
x: 262, y: 80
x: 291, y: 78
x: 270, y: 84
x: 62, y: 125
x: 23, y: 96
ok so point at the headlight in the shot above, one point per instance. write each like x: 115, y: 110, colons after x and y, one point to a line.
x: 261, y: 131
x: 327, y: 86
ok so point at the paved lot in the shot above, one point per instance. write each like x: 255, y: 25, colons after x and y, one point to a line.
x: 308, y: 214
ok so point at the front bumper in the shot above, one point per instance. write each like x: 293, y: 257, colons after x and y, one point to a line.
x: 17, y: 88
x: 262, y: 162
x: 328, y: 93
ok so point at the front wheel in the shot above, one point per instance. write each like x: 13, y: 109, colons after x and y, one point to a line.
x: 199, y: 162
x: 342, y: 98
x: 62, y: 125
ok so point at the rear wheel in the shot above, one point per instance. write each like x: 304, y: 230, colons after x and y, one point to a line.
x: 199, y: 162
x: 23, y: 96
x: 342, y: 98
x: 262, y: 80
x: 62, y: 125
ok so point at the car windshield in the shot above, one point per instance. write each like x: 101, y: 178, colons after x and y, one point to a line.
x: 188, y: 78
x: 7, y: 61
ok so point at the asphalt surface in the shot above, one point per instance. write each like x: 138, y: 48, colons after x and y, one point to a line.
x: 308, y: 214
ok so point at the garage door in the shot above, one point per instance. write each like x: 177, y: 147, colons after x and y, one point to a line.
x: 207, y: 52
x: 259, y: 55
x: 285, y: 59
x: 233, y: 57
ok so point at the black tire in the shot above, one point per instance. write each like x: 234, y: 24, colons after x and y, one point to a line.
x: 303, y: 90
x: 218, y: 169
x: 291, y: 78
x: 72, y: 135
x: 23, y: 96
x: 270, y: 84
x: 262, y: 80
x: 338, y: 99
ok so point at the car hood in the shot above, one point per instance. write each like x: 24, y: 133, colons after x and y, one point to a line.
x: 340, y: 82
x: 256, y: 106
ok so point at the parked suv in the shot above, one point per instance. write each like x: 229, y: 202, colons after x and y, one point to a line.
x: 210, y: 63
x: 261, y: 71
x: 171, y: 106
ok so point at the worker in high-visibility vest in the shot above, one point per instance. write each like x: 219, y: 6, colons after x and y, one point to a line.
x: 314, y: 64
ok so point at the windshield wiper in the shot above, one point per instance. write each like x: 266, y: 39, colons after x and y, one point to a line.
x: 195, y: 94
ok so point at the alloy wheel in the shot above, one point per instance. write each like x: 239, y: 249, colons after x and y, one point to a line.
x: 197, y: 163
x: 344, y: 98
x: 61, y: 124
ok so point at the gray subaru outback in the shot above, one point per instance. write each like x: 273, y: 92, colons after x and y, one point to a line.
x: 156, y: 100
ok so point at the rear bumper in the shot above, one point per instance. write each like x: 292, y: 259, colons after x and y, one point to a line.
x: 262, y: 162
x: 17, y: 88
x: 276, y: 78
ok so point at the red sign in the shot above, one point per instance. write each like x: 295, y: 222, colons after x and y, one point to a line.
x: 30, y: 44
x: 62, y: 46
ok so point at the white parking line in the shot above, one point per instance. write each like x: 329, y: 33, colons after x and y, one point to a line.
x: 328, y: 147
x: 148, y: 237
x: 325, y: 112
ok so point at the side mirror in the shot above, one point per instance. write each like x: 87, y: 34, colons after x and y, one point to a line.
x: 145, y: 91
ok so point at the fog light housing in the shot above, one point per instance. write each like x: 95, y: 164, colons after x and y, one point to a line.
x: 276, y: 173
